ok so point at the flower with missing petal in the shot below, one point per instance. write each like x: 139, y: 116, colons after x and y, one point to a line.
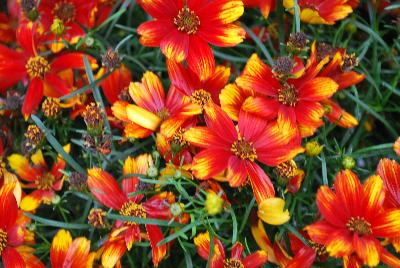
x: 353, y: 218
x: 184, y: 29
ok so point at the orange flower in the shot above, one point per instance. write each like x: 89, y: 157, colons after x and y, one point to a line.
x: 321, y: 11
x: 11, y: 231
x: 153, y: 109
x: 45, y: 182
x: 361, y: 219
x: 297, y: 100
x: 237, y: 149
x: 219, y: 260
x: 65, y: 252
x: 106, y: 189
x: 266, y: 6
x: 184, y: 31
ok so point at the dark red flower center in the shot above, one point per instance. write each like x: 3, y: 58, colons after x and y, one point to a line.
x: 200, y: 97
x: 287, y: 169
x: 244, y: 150
x: 3, y: 240
x: 45, y: 182
x: 318, y: 248
x: 178, y: 138
x: 288, y: 95
x: 65, y: 11
x: 97, y: 218
x: 187, y: 21
x: 37, y: 66
x: 132, y: 209
x: 233, y: 263
x: 359, y: 225
x: 349, y: 62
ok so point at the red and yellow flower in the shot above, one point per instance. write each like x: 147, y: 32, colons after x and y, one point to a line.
x: 12, y: 231
x: 65, y: 252
x: 117, y: 81
x: 220, y: 260
x: 43, y: 75
x: 184, y: 30
x: 297, y: 100
x: 355, y: 227
x: 153, y: 109
x: 106, y: 189
x: 236, y: 149
x: 44, y: 181
x: 321, y: 11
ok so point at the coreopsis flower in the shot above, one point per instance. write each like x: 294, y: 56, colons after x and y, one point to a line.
x: 65, y: 252
x: 389, y: 171
x: 340, y: 69
x: 396, y: 146
x: 183, y: 31
x: 124, y: 233
x: 220, y: 260
x: 153, y: 109
x: 297, y: 100
x: 290, y: 175
x: 362, y: 219
x: 265, y: 6
x: 320, y: 11
x: 11, y: 232
x: 44, y: 181
x: 237, y: 149
x: 43, y: 73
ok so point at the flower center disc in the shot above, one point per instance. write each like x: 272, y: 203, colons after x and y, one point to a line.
x: 178, y: 138
x: 359, y: 225
x: 200, y: 97
x: 233, y: 263
x: 318, y: 248
x: 244, y: 150
x: 288, y: 95
x: 65, y: 11
x: 37, y: 66
x: 187, y: 21
x: 133, y: 210
x: 3, y: 240
x: 45, y: 182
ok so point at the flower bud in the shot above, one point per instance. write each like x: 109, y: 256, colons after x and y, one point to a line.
x: 213, y: 204
x: 348, y: 162
x: 57, y: 27
x: 313, y: 148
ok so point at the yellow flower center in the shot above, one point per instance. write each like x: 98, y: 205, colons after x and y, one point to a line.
x: 37, y: 66
x: 51, y: 107
x: 318, y: 248
x: 286, y: 169
x: 178, y: 138
x: 45, y: 182
x: 132, y: 209
x: 233, y: 263
x: 97, y: 218
x: 359, y: 225
x: 65, y: 11
x: 288, y: 95
x: 3, y: 240
x: 200, y: 97
x: 244, y: 150
x: 187, y: 21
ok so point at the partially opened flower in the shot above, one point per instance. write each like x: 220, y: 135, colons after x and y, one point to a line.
x: 44, y: 181
x: 297, y: 99
x: 65, y: 252
x: 184, y: 31
x: 320, y: 11
x: 237, y: 149
x: 362, y: 219
x: 220, y: 260
x: 153, y: 109
x: 124, y: 233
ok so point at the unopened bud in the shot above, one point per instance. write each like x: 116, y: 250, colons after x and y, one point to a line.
x: 313, y: 148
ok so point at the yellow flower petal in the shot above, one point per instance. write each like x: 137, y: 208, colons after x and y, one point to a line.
x: 272, y: 211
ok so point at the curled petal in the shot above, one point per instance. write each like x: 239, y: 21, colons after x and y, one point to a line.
x: 272, y: 211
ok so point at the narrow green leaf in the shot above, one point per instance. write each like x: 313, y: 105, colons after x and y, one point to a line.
x: 64, y: 225
x: 177, y: 234
x: 57, y: 146
x: 143, y: 220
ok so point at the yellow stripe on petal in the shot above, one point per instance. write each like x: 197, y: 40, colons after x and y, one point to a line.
x: 38, y: 159
x: 59, y: 247
x: 143, y: 117
x: 272, y: 211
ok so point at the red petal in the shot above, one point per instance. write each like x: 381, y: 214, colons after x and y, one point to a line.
x: 162, y: 9
x: 182, y: 78
x: 317, y: 89
x: 155, y: 236
x: 8, y: 206
x: 250, y: 126
x: 105, y: 188
x: 34, y: 95
x: 70, y: 61
x: 304, y: 258
x: 237, y: 251
x: 328, y: 203
x: 12, y: 259
x: 221, y: 124
x: 237, y: 172
x: 200, y: 58
x: 348, y: 190
x: 255, y: 260
x: 389, y: 259
x: 77, y: 255
x: 263, y: 107
x: 115, y: 83
x: 368, y: 249
x: 260, y: 182
x: 386, y: 224
x: 175, y: 46
x: 153, y: 32
x: 225, y: 35
x: 389, y: 170
x: 55, y: 86
x: 209, y: 163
